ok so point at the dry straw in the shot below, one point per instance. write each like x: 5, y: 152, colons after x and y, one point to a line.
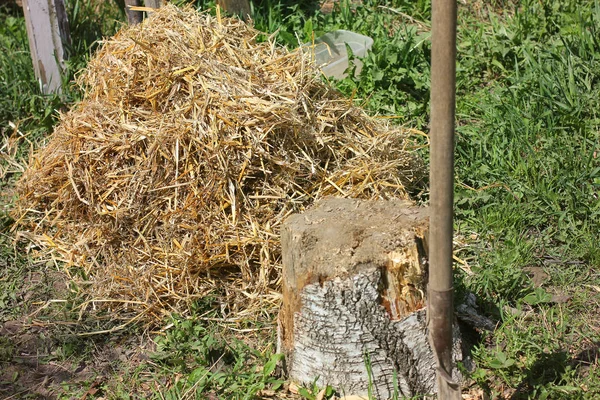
x: 197, y: 136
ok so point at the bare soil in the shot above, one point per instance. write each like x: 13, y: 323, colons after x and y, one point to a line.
x: 41, y: 354
x: 37, y: 360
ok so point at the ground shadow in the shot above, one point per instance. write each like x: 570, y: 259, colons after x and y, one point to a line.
x: 549, y: 368
x: 41, y: 354
x: 587, y: 359
x: 29, y: 368
x: 41, y: 362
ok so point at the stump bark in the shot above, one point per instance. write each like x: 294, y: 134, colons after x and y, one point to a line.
x: 353, y: 316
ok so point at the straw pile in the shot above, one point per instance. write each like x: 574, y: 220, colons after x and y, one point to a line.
x: 193, y: 142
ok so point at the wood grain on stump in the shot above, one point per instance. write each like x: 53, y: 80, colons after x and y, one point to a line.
x: 354, y: 274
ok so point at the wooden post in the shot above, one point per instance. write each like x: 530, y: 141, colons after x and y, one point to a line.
x: 237, y: 7
x: 153, y: 3
x: 440, y: 291
x: 353, y: 313
x: 48, y: 32
x: 133, y: 16
x: 135, y: 10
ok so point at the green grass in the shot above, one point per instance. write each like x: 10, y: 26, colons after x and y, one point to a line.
x: 527, y: 184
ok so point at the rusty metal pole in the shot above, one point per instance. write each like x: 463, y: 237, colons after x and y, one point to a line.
x: 443, y: 93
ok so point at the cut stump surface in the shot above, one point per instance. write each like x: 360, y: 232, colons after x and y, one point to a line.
x: 354, y: 275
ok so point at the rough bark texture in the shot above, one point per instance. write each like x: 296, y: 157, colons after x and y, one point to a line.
x: 353, y: 285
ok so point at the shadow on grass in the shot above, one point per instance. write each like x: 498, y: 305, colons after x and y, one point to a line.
x: 28, y: 367
x: 549, y: 368
x: 588, y: 356
x: 41, y: 355
x: 46, y: 362
x: 587, y: 359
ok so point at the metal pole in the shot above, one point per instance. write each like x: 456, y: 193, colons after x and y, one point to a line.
x: 440, y: 296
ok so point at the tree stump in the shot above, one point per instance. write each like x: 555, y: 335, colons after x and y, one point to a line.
x: 354, y: 284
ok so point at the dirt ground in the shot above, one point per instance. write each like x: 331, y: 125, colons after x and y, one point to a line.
x: 33, y: 368
x: 42, y: 357
x: 41, y: 361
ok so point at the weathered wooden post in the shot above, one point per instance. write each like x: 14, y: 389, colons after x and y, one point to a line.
x: 354, y: 274
x: 48, y: 33
x: 443, y: 92
x: 153, y: 3
x: 135, y: 10
x: 133, y: 16
x: 237, y: 7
